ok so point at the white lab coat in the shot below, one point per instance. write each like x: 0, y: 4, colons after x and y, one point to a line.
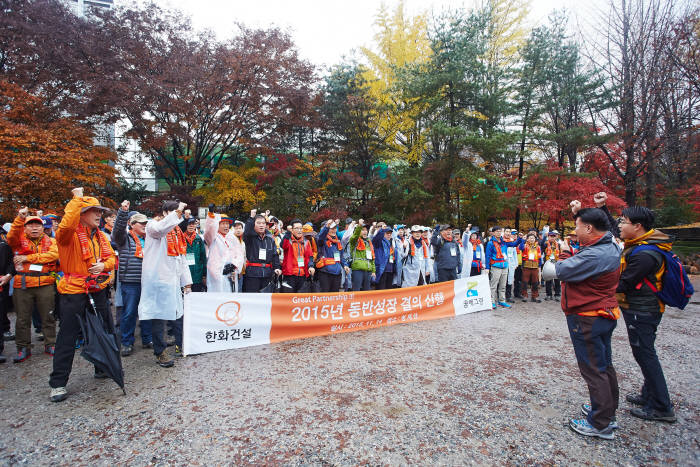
x: 162, y: 276
x: 222, y: 251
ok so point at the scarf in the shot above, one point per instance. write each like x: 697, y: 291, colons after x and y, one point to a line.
x: 554, y: 251
x: 526, y: 253
x: 189, y: 237
x: 475, y: 243
x: 83, y: 238
x: 139, y: 251
x: 413, y: 248
x: 497, y: 246
x: 331, y: 240
x: 44, y: 245
x: 459, y: 242
x: 176, y: 242
x: 361, y: 246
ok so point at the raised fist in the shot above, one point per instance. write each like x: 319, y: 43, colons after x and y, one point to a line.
x: 181, y: 206
x: 23, y: 212
x: 575, y: 206
x: 125, y: 205
x: 600, y: 198
x: 77, y: 192
x: 40, y: 213
x: 188, y: 213
x: 361, y: 221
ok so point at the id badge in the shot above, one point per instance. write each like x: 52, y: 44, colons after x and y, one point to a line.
x: 391, y: 259
x: 453, y: 251
x: 531, y: 256
x: 300, y: 262
x: 368, y: 254
x: 477, y: 254
x: 190, y: 259
x: 36, y: 267
x: 336, y: 256
x: 262, y: 254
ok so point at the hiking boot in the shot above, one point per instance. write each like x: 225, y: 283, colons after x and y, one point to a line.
x: 58, y: 394
x: 23, y: 354
x: 40, y: 336
x: 525, y: 300
x: 126, y: 350
x: 164, y: 360
x: 178, y: 352
x: 50, y: 350
x: 557, y: 297
x: 147, y: 345
x: 650, y: 414
x: 536, y: 300
x: 586, y: 409
x: 8, y: 336
x: 636, y: 399
x: 169, y: 341
x: 584, y: 428
x: 504, y: 304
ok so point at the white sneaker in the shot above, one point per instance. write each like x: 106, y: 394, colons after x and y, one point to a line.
x: 58, y: 394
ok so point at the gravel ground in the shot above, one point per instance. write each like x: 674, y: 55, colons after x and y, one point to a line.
x: 487, y: 388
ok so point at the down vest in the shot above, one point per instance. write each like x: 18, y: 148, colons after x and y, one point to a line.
x: 129, y: 264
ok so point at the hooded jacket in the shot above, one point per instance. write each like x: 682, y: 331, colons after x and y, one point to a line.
x: 633, y: 293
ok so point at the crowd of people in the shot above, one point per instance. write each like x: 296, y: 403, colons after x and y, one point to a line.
x: 125, y: 265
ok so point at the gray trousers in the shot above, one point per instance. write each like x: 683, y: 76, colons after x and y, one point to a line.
x: 499, y: 277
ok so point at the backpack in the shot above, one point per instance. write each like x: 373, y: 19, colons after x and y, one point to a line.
x: 676, y: 288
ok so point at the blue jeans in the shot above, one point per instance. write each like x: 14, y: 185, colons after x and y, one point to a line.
x: 131, y: 295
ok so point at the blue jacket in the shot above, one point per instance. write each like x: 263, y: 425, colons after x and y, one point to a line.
x: 382, y: 251
x: 325, y: 251
x: 492, y: 259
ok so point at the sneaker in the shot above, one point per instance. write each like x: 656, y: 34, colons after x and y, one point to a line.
x: 40, y: 336
x: 99, y: 374
x: 58, y: 394
x: 650, y: 414
x: 504, y: 304
x: 636, y: 399
x: 23, y: 354
x: 178, y: 351
x: 584, y: 428
x: 494, y: 306
x: 536, y: 300
x: 50, y: 350
x: 147, y: 345
x: 164, y: 360
x: 557, y: 297
x: 548, y: 298
x: 79, y: 343
x: 126, y: 350
x: 8, y: 336
x: 586, y: 409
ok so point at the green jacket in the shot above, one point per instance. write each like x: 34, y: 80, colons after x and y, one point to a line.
x: 359, y: 257
x: 200, y: 259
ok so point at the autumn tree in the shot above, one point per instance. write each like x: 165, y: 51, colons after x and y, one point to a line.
x: 234, y: 189
x: 42, y: 158
x: 193, y: 102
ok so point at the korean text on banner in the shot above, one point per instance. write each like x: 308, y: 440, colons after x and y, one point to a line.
x: 226, y: 321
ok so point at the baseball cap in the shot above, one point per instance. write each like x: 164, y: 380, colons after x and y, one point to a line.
x: 48, y: 222
x: 29, y: 219
x: 91, y: 203
x: 138, y: 217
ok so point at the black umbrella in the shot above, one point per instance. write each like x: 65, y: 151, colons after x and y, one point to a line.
x: 101, y: 348
x: 272, y: 287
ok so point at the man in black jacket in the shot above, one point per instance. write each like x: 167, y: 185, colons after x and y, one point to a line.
x: 262, y: 259
x: 642, y: 310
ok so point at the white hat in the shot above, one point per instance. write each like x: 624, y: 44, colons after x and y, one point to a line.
x: 416, y: 228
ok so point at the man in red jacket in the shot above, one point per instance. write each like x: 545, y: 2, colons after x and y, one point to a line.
x: 589, y: 279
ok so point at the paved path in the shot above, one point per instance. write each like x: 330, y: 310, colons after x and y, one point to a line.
x: 487, y: 388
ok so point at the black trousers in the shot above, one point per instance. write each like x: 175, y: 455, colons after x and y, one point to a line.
x: 329, y: 282
x: 71, y: 306
x: 385, y: 281
x: 517, y: 281
x: 294, y: 283
x: 474, y: 272
x: 556, y: 285
x: 445, y: 275
x: 641, y: 330
x: 255, y: 284
x: 198, y: 288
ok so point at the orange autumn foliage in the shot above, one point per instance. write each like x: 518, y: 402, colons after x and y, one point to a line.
x: 43, y: 157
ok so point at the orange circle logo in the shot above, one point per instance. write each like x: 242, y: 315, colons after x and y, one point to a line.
x: 229, y: 313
